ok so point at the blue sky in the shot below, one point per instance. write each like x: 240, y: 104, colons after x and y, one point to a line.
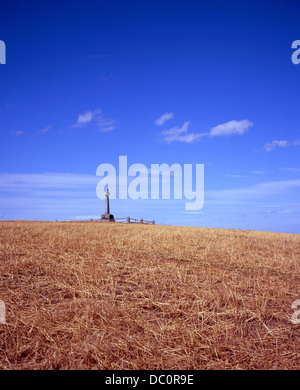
x: 86, y: 82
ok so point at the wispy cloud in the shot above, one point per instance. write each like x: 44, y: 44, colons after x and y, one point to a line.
x: 181, y: 134
x: 48, y: 195
x: 236, y: 176
x: 45, y: 129
x: 106, y: 125
x: 274, y: 144
x: 41, y: 131
x: 257, y: 191
x: 295, y: 170
x: 258, y: 172
x: 38, y: 181
x: 164, y: 118
x: 19, y: 132
x: 86, y: 117
x: 95, y: 118
x: 230, y: 128
x: 280, y: 144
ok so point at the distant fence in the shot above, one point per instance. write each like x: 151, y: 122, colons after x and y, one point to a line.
x: 134, y: 220
x: 125, y: 220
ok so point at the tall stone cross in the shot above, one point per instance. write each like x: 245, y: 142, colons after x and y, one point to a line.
x: 107, y: 216
x: 107, y: 193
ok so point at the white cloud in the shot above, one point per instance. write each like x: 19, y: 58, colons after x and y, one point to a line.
x: 86, y: 118
x: 275, y: 143
x: 106, y: 125
x: 295, y: 170
x: 45, y: 129
x: 38, y: 181
x: 236, y: 176
x: 257, y: 191
x: 19, y: 132
x: 96, y: 118
x: 177, y: 130
x: 258, y: 172
x: 231, y: 127
x: 280, y: 144
x: 191, y: 138
x: 164, y: 118
x: 181, y: 133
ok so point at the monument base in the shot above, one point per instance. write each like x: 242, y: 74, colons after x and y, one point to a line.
x: 107, y: 218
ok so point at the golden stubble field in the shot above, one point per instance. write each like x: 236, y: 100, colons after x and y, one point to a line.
x: 90, y: 295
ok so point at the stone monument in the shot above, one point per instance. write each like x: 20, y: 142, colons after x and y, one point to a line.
x: 107, y: 216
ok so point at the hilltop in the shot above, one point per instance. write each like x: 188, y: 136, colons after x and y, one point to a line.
x: 89, y: 295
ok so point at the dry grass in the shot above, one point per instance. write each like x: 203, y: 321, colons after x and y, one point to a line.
x: 86, y: 295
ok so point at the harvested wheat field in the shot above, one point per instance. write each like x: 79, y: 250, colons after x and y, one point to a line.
x: 90, y: 295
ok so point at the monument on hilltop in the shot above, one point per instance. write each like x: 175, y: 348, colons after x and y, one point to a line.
x: 107, y: 216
